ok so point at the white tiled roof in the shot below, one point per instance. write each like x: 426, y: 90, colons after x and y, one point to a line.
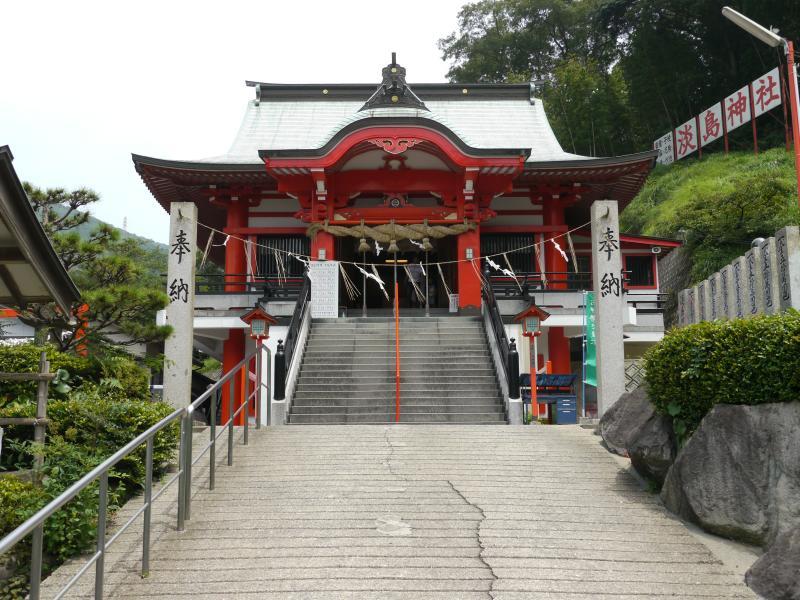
x: 309, y: 124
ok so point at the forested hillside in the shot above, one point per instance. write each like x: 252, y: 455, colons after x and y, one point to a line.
x: 718, y: 205
x: 617, y: 74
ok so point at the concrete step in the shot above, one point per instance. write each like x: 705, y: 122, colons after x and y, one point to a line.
x: 413, y: 352
x: 368, y: 371
x: 389, y: 407
x: 389, y: 379
x: 378, y: 362
x: 334, y: 401
x: 405, y: 417
x: 405, y: 392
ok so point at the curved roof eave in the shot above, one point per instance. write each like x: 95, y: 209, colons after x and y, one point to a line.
x: 418, y: 121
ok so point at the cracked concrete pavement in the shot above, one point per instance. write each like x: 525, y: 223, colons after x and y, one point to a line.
x: 414, y: 511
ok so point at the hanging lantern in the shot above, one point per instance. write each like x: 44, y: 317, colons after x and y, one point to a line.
x: 393, y: 247
x: 531, y: 319
x: 363, y: 246
x: 259, y: 321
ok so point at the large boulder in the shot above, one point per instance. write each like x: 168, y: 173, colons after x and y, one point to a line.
x: 632, y: 427
x: 776, y: 575
x: 739, y: 475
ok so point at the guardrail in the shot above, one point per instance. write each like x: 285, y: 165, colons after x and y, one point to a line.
x: 34, y: 526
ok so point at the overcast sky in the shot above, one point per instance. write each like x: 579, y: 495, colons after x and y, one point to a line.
x: 84, y: 84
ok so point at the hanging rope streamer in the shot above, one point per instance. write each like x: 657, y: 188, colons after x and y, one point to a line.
x: 280, y: 267
x: 572, y: 252
x: 349, y: 286
x: 378, y: 249
x: 444, y: 283
x: 205, y: 252
x: 509, y: 271
x: 479, y: 275
x: 540, y: 262
x: 560, y: 251
x: 510, y: 268
x: 377, y: 278
x: 417, y: 292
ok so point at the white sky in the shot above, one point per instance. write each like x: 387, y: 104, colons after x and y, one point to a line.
x: 84, y: 84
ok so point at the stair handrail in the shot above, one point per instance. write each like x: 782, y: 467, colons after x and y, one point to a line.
x: 396, y: 354
x: 35, y: 524
x: 496, y: 322
x: 296, y: 321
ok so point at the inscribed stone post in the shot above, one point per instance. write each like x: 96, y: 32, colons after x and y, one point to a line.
x: 787, y: 247
x: 769, y: 274
x: 754, y: 303
x: 180, y: 310
x: 700, y: 298
x: 714, y: 285
x: 607, y: 282
x: 691, y: 305
x: 738, y: 291
x: 708, y: 300
x: 725, y: 292
x: 682, y: 308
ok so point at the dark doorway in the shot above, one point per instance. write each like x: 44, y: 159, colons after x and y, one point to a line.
x: 410, y: 261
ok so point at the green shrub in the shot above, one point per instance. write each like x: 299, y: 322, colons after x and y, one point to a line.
x: 24, y: 358
x: 101, y: 425
x: 746, y: 361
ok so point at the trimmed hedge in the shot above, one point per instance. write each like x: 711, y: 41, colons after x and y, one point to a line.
x: 746, y: 361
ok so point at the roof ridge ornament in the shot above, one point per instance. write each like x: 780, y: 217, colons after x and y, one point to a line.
x: 393, y: 90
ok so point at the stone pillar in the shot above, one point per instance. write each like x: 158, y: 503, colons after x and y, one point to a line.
x: 469, y: 283
x: 769, y: 274
x: 738, y: 270
x: 682, y: 308
x: 707, y: 300
x: 725, y: 275
x: 700, y: 298
x: 180, y: 310
x: 715, y: 287
x: 754, y: 298
x: 609, y: 299
x: 787, y: 246
x: 691, y: 303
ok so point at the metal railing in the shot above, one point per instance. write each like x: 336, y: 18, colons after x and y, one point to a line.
x: 526, y: 283
x: 34, y: 526
x: 303, y: 296
x: 496, y: 320
x: 270, y: 287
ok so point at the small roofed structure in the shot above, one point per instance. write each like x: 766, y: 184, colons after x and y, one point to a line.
x: 30, y: 270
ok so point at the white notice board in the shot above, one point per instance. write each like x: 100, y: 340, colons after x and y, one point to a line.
x: 324, y: 277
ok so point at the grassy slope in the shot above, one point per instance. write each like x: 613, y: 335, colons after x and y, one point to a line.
x: 719, y: 203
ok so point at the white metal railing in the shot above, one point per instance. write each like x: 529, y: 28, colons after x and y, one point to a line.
x: 34, y: 526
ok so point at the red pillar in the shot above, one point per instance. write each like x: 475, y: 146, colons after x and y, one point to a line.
x: 469, y: 283
x: 235, y: 259
x: 557, y: 342
x: 323, y: 241
x: 553, y: 261
x: 233, y: 353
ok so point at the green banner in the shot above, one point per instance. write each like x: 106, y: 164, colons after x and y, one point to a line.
x: 590, y: 358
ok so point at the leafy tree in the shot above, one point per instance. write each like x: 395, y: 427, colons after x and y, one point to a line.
x: 120, y: 292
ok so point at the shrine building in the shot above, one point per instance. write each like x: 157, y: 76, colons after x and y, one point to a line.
x: 413, y: 173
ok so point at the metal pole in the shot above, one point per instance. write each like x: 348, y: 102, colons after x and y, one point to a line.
x: 793, y: 95
x: 534, y: 368
x: 259, y: 352
x: 364, y: 285
x: 182, y: 478
x: 246, y: 408
x: 232, y: 392
x: 36, y: 561
x: 148, y: 501
x: 99, y: 566
x: 583, y: 360
x: 269, y: 387
x: 187, y: 498
x: 397, y: 353
x: 212, y: 466
x: 41, y: 411
x: 427, y: 296
x: 394, y: 269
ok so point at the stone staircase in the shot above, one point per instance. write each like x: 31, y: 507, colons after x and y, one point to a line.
x: 348, y: 373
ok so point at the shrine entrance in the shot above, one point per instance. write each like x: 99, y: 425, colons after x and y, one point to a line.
x: 411, y: 265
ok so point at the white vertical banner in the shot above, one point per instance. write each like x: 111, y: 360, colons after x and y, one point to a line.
x: 711, y: 124
x: 666, y: 151
x: 180, y: 310
x: 686, y: 139
x: 766, y: 92
x: 737, y: 108
x: 324, y: 277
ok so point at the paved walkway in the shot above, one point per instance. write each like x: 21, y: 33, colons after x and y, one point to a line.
x: 434, y: 512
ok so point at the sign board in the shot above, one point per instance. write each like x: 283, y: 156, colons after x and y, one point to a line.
x: 711, y: 125
x: 454, y: 303
x: 324, y: 277
x: 737, y: 108
x: 766, y: 92
x: 590, y: 360
x: 666, y: 152
x: 686, y: 139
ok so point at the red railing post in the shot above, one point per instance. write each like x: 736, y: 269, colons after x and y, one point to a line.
x: 397, y: 355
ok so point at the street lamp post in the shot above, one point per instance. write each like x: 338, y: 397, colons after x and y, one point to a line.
x: 771, y: 38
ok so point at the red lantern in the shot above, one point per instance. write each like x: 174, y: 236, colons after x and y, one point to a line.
x: 531, y: 319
